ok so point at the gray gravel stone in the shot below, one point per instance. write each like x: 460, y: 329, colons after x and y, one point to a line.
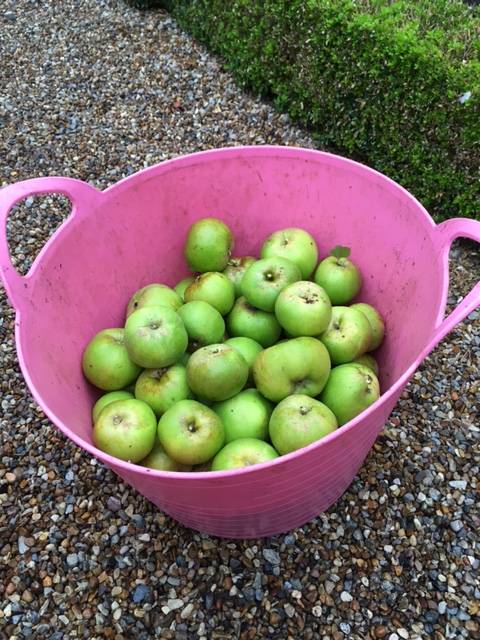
x: 329, y: 586
x: 187, y: 611
x: 456, y: 525
x: 22, y: 547
x: 431, y: 616
x: 458, y: 484
x: 72, y: 559
x: 140, y: 593
x: 271, y: 556
x: 114, y: 504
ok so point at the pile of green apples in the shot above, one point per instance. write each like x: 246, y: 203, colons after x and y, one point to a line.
x: 244, y: 361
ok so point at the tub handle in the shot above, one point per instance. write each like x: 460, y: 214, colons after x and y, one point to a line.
x: 449, y: 231
x: 81, y: 196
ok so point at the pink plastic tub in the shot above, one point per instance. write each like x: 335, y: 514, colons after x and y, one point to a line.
x: 132, y: 234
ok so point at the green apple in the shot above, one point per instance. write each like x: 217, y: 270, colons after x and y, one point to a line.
x: 247, y: 348
x: 264, y: 279
x: 162, y: 388
x: 107, y: 398
x: 125, y: 429
x: 299, y: 366
x: 235, y: 271
x: 347, y: 336
x: 216, y: 372
x: 376, y: 322
x: 244, y: 452
x: 159, y: 459
x: 181, y: 286
x: 246, y: 321
x: 106, y: 362
x: 155, y: 337
x: 154, y: 295
x: 299, y: 420
x: 214, y: 288
x: 303, y: 309
x: 246, y: 415
x: 340, y: 278
x: 296, y: 245
x: 204, y: 324
x: 367, y: 360
x: 209, y: 245
x: 190, y: 432
x: 350, y: 389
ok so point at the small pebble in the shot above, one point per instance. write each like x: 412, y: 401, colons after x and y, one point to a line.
x: 456, y: 525
x: 329, y: 586
x: 139, y: 521
x: 271, y: 556
x: 174, y: 603
x: 144, y: 537
x: 431, y: 616
x: 113, y: 504
x: 346, y: 597
x: 458, y: 484
x: 72, y: 559
x: 140, y: 593
x: 187, y: 611
x: 22, y: 547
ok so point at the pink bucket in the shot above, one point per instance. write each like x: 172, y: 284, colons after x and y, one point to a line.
x: 132, y: 234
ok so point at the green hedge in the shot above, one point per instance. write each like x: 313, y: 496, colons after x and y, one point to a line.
x: 377, y: 80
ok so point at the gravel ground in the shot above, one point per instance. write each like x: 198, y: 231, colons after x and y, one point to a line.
x: 95, y: 90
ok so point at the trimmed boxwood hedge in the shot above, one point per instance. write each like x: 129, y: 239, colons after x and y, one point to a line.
x: 395, y: 84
